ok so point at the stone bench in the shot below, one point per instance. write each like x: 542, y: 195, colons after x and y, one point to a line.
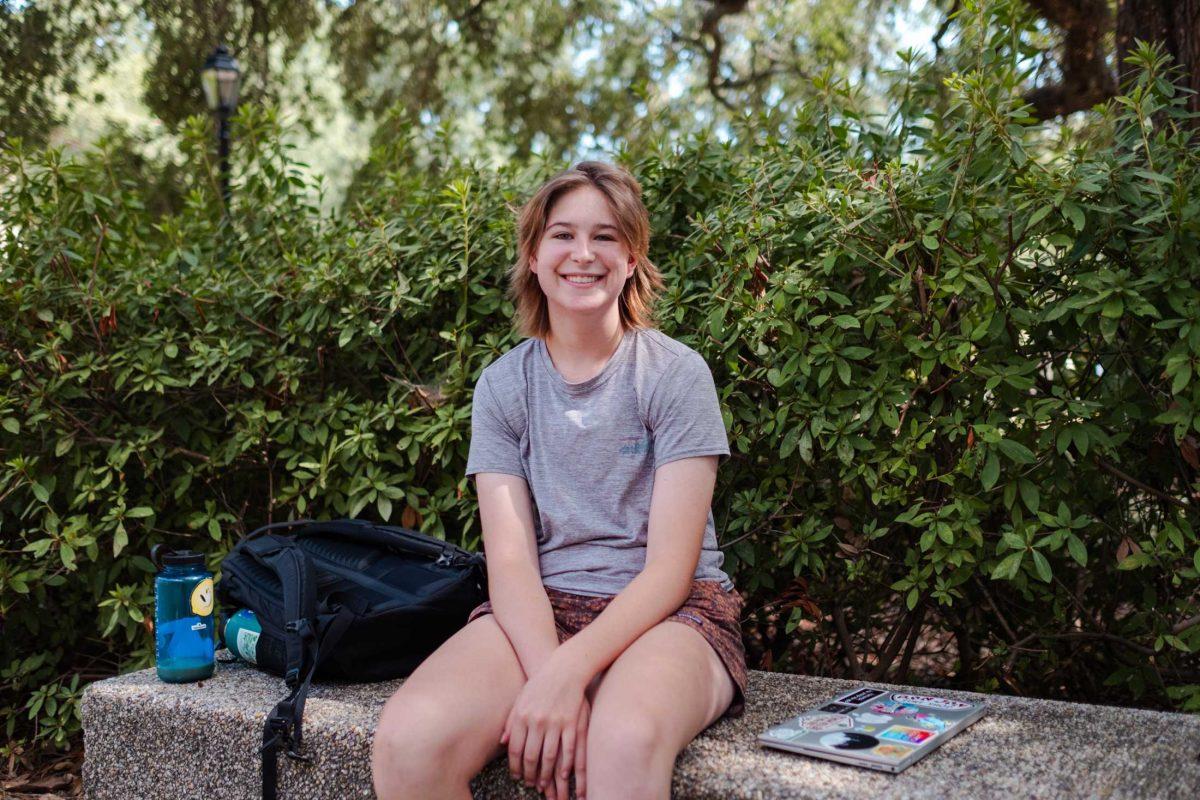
x: 148, y: 739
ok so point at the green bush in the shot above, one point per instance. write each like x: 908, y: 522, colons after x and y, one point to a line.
x: 956, y: 354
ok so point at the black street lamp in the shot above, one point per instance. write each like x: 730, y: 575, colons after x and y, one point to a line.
x: 219, y: 77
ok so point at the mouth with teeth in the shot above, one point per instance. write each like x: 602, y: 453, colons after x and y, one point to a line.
x: 581, y: 280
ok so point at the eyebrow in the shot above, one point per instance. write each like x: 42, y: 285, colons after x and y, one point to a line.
x: 569, y: 225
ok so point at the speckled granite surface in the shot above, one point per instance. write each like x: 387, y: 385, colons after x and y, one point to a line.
x: 148, y: 739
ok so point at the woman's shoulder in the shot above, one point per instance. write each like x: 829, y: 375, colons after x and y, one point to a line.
x: 659, y: 352
x: 509, y: 365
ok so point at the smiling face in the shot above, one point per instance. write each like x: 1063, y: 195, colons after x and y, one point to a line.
x: 581, y: 262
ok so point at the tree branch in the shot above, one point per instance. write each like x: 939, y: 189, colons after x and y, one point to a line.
x: 1116, y: 473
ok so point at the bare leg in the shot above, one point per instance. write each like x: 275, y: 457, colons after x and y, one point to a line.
x: 443, y: 725
x: 666, y: 687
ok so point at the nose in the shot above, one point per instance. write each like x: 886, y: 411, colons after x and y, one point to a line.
x: 582, y: 253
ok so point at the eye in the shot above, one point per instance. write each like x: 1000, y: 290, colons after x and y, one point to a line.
x: 607, y: 237
x: 561, y: 235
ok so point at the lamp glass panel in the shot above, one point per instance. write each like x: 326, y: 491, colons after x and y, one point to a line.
x: 208, y: 79
x: 227, y: 82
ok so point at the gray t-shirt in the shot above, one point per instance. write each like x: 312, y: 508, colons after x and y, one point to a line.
x: 588, y: 451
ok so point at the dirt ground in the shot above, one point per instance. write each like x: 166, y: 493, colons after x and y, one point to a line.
x: 57, y: 779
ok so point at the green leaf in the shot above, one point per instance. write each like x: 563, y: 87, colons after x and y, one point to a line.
x: 120, y: 540
x: 1135, y: 561
x: 845, y: 321
x: 1007, y: 568
x: 990, y: 470
x: 1016, y: 451
x: 930, y: 242
x: 1182, y: 378
x: 1075, y: 214
x: 1042, y: 566
x: 139, y: 512
x: 1029, y: 494
x: 1039, y: 215
x: 805, y: 447
x: 214, y: 528
x: 1077, y: 549
x: 41, y: 492
x: 64, y: 446
x: 789, y: 441
x: 843, y: 370
x: 384, y: 505
x: 12, y: 425
x: 889, y: 415
x: 716, y: 324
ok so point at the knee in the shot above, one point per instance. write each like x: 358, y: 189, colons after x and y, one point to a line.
x: 409, y: 753
x: 630, y: 741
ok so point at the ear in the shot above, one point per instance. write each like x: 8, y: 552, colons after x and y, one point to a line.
x: 533, y: 265
x: 629, y: 271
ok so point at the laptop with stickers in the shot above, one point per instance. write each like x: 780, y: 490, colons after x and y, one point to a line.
x: 874, y: 728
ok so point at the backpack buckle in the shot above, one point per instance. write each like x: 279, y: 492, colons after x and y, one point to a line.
x: 302, y: 627
x: 295, y: 756
x: 280, y: 727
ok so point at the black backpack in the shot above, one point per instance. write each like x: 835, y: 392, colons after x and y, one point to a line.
x: 344, y: 600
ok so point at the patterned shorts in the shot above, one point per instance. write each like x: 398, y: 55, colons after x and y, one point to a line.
x: 715, y: 613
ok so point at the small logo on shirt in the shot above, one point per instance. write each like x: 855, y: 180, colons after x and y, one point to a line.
x: 634, y: 446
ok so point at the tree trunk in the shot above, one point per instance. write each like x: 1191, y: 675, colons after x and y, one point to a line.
x: 1175, y: 23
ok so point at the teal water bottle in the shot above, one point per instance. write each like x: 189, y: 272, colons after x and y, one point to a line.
x: 184, y: 625
x: 241, y: 635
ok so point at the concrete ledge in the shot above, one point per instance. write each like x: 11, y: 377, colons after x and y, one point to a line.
x: 148, y: 739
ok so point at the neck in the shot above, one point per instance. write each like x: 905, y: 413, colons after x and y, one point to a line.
x: 582, y: 342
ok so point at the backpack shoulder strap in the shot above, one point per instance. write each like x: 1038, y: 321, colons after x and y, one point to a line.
x: 299, y: 581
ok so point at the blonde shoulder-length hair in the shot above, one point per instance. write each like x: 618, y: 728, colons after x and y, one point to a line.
x: 624, y: 196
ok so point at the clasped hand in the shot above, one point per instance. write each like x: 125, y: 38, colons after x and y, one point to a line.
x: 546, y: 730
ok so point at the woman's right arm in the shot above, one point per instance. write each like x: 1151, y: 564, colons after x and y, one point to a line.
x: 515, y: 587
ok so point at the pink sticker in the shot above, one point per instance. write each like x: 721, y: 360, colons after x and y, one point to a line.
x: 900, y: 733
x: 929, y: 701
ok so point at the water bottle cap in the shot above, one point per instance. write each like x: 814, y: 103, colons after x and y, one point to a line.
x: 183, y: 558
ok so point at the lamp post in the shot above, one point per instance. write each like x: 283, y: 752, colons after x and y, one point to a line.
x: 219, y: 77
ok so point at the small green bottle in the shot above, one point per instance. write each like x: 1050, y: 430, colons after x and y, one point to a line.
x: 241, y: 634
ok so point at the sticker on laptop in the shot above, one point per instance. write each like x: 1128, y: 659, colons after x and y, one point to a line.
x: 825, y: 722
x: 861, y: 696
x: 872, y: 719
x: 930, y: 721
x: 943, y: 703
x: 892, y: 751
x: 836, y: 708
x: 900, y: 733
x: 783, y: 733
x: 895, y: 709
x: 849, y: 741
